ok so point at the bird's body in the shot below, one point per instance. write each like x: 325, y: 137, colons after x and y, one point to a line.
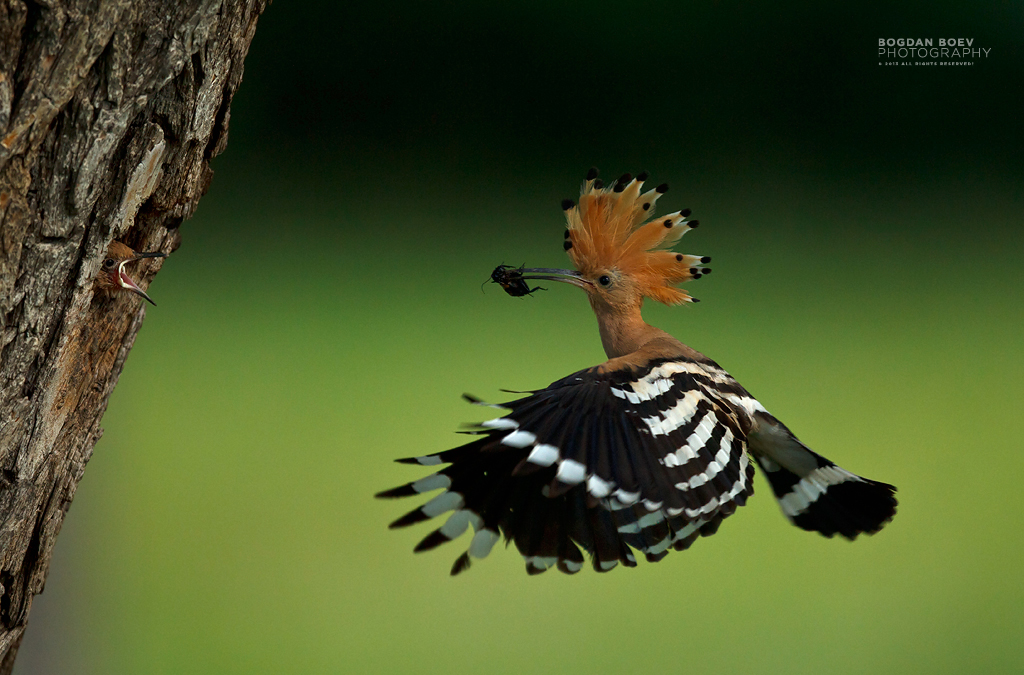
x: 646, y: 451
x: 113, y: 278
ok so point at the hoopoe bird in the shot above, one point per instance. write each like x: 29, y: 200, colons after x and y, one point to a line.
x: 113, y: 278
x: 644, y: 452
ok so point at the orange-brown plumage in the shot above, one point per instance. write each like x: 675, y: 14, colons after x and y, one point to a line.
x: 623, y: 255
x: 612, y: 228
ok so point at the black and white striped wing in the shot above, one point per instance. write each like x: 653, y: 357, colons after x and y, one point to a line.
x: 647, y: 459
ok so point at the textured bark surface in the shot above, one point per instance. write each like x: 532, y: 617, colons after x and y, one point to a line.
x: 110, y: 111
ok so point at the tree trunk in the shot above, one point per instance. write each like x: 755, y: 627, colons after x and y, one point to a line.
x: 110, y: 111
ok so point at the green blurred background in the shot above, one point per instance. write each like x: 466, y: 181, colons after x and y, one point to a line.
x: 325, y: 313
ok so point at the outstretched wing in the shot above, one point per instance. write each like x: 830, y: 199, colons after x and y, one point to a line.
x: 646, y: 458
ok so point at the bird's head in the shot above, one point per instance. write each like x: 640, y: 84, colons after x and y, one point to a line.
x: 113, y: 278
x: 622, y: 253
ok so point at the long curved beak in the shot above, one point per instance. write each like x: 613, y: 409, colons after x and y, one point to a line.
x: 565, y: 276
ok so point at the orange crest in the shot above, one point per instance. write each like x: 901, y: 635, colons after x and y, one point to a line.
x: 614, y: 228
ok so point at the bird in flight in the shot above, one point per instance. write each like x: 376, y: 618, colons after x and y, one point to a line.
x: 113, y: 278
x: 644, y: 452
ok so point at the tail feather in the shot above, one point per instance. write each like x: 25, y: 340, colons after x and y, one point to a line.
x: 851, y: 508
x: 814, y: 493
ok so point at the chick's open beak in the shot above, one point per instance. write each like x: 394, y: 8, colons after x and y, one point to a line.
x: 126, y: 281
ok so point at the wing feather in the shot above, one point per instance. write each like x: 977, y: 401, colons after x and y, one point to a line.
x: 644, y: 459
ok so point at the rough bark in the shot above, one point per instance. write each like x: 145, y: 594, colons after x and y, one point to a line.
x: 110, y: 111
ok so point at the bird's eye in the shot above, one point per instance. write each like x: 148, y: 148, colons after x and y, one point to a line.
x: 109, y: 262
x: 605, y: 280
